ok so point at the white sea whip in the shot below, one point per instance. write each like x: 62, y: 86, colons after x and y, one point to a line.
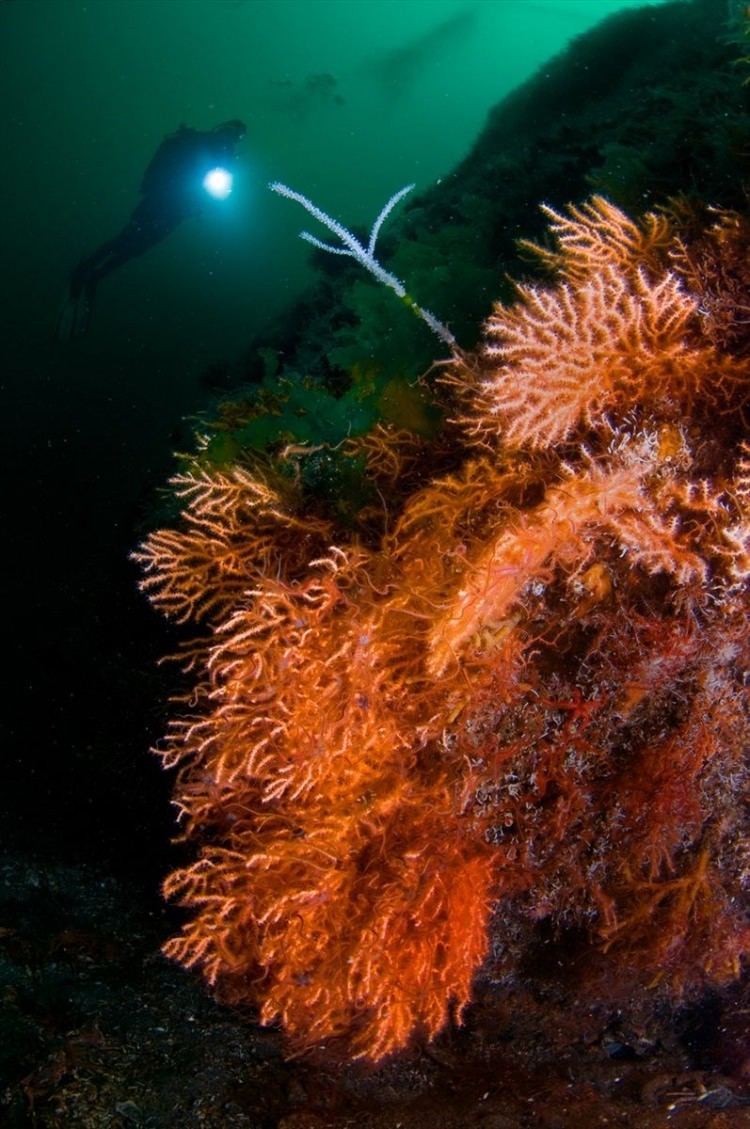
x: 365, y: 255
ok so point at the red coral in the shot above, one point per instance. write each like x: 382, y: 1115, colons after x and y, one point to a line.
x: 527, y: 703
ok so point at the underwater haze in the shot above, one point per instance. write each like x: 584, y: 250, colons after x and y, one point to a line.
x: 344, y: 101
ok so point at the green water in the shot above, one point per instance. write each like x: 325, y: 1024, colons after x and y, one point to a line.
x: 346, y: 101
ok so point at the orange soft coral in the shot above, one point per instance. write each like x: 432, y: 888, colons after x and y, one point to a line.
x: 326, y: 886
x: 523, y: 702
x: 618, y: 330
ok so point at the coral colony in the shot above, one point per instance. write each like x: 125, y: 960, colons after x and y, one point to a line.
x: 512, y: 698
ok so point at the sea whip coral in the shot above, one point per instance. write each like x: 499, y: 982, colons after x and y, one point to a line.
x: 524, y: 703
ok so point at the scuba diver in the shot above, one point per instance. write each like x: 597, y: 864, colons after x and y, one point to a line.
x: 188, y: 166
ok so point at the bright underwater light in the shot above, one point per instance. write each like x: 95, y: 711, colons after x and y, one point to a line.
x: 218, y: 183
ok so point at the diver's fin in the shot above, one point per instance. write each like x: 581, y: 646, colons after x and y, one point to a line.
x: 74, y: 315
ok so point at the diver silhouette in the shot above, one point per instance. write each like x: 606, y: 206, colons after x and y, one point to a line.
x: 188, y: 168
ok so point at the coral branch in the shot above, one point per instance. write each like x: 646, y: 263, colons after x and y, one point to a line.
x: 365, y: 255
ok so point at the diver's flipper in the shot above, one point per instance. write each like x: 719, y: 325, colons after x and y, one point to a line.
x: 74, y: 316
